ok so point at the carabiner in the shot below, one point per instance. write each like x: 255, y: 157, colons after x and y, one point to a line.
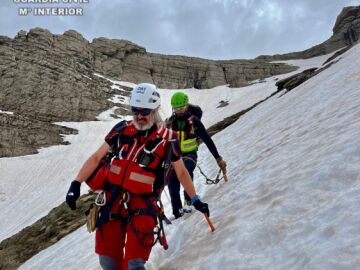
x: 100, y: 199
x: 125, y: 199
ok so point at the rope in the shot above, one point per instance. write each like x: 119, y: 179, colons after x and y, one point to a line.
x: 211, y: 181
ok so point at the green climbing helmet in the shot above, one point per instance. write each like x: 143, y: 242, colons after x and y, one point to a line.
x: 179, y: 100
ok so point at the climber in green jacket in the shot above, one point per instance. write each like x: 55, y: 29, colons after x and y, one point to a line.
x: 185, y: 120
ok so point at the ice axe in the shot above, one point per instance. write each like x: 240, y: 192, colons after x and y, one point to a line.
x: 211, y: 225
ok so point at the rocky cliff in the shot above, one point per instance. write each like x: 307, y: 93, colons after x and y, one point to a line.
x: 125, y: 60
x: 45, y: 78
x: 346, y: 28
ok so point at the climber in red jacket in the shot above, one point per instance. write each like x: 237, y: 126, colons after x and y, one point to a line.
x: 139, y: 148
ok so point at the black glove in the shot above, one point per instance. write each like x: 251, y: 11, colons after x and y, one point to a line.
x: 73, y: 194
x: 202, y: 207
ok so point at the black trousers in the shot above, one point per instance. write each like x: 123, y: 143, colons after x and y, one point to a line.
x: 190, y: 160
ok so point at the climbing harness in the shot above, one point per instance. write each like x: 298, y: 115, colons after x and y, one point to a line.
x: 129, y: 171
x: 158, y: 231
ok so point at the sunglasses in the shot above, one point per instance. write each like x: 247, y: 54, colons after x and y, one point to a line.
x: 143, y: 112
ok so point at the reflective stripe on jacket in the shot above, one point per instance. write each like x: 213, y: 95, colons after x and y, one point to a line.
x: 187, y: 145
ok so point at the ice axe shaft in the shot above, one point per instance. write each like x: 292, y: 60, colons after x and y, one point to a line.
x: 164, y: 241
x: 224, y: 174
x: 211, y: 225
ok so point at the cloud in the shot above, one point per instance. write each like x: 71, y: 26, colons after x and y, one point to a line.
x: 212, y: 29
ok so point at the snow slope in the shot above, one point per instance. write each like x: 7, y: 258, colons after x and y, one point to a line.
x: 291, y: 202
x: 293, y: 197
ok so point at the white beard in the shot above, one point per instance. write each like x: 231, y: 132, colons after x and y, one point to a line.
x: 143, y: 127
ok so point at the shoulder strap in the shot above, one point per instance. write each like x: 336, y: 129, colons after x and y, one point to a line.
x: 195, y: 110
x: 155, y: 140
x: 168, y: 150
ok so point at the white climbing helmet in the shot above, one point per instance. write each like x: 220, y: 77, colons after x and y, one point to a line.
x: 145, y: 95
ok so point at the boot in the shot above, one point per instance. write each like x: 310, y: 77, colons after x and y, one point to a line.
x: 178, y: 213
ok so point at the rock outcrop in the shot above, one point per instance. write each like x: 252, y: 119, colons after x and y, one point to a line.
x: 295, y: 80
x: 130, y: 62
x: 22, y: 136
x: 347, y: 26
x: 46, y: 78
x: 50, y: 78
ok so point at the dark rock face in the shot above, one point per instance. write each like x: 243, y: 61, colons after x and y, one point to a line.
x: 347, y: 26
x: 295, y: 80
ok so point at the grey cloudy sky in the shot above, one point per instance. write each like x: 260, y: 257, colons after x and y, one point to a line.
x: 213, y: 29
